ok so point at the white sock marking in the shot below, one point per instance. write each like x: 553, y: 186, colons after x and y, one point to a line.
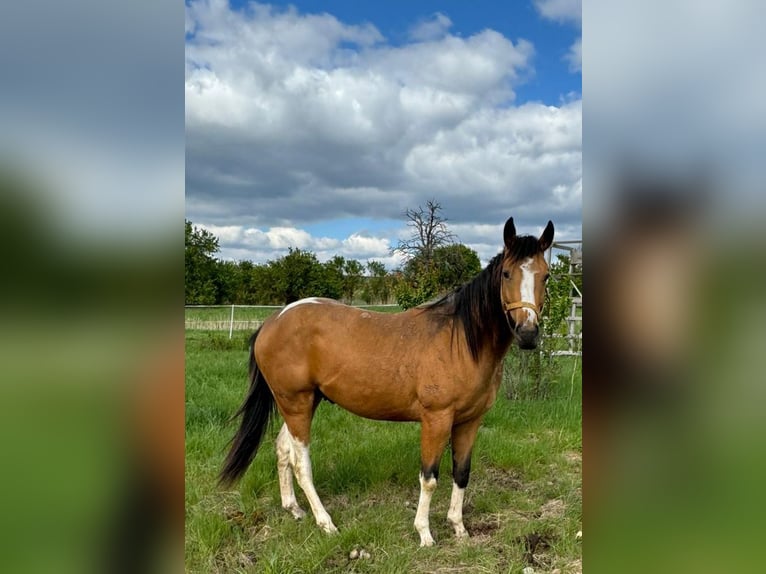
x: 314, y: 300
x: 427, y: 488
x: 284, y: 469
x: 455, y: 514
x: 301, y: 462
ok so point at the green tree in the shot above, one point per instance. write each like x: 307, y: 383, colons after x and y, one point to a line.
x: 227, y: 279
x: 454, y: 265
x: 450, y: 266
x: 379, y: 282
x: 263, y: 285
x: 352, y: 279
x: 334, y: 275
x: 200, y: 266
x: 299, y: 274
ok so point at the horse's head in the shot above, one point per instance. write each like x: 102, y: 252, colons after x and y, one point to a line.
x: 522, y: 286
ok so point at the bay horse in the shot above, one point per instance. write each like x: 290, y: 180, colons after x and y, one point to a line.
x: 440, y: 364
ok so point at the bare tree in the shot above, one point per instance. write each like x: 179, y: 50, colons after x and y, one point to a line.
x: 429, y: 231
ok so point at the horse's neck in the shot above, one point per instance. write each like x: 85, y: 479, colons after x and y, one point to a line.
x: 493, y: 355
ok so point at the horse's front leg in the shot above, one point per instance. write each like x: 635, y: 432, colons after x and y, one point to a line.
x: 463, y: 437
x: 434, y: 434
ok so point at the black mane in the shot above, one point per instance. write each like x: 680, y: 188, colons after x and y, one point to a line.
x: 476, y: 305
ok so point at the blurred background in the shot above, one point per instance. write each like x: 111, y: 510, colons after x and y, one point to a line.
x: 91, y: 295
x: 673, y: 137
x: 91, y: 218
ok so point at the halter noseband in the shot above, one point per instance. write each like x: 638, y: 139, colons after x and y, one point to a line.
x: 519, y: 304
x: 508, y: 307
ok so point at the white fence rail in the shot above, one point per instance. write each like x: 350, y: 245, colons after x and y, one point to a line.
x: 230, y: 317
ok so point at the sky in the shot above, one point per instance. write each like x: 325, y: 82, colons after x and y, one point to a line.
x: 317, y: 124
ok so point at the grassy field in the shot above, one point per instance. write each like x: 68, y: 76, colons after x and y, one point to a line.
x: 523, y: 504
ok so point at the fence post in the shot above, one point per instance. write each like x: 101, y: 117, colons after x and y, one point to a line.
x: 231, y: 322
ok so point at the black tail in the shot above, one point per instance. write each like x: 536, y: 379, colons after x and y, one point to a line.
x: 256, y: 413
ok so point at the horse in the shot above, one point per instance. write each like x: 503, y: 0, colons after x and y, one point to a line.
x: 439, y: 364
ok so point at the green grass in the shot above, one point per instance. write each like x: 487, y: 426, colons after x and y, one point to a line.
x: 525, y: 481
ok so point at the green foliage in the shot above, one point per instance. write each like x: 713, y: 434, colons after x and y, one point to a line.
x: 425, y: 277
x: 296, y: 275
x: 379, y: 285
x: 299, y: 274
x: 454, y: 265
x: 352, y: 279
x: 199, y: 265
x: 558, y: 298
x: 413, y: 292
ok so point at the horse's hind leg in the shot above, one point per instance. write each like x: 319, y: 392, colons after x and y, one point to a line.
x: 298, y: 428
x: 285, y: 470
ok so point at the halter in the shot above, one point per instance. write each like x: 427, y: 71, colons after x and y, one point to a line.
x: 508, y: 307
x: 519, y: 304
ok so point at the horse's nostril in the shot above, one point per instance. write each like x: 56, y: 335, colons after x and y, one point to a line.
x: 529, y: 331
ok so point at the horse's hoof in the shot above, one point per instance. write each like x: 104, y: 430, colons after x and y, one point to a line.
x: 461, y: 533
x: 296, y: 511
x: 329, y: 528
x: 426, y: 541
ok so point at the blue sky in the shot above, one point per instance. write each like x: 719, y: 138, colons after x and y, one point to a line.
x: 316, y: 124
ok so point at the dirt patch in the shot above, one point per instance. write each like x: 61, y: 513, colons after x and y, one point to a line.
x: 503, y: 478
x: 573, y: 457
x: 242, y: 520
x: 552, y: 509
x: 246, y: 559
x: 535, y: 546
x: 486, y: 525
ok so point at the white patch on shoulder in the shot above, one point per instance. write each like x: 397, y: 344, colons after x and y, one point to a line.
x: 299, y: 302
x: 528, y: 288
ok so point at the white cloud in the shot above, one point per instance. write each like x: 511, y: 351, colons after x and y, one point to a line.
x: 574, y: 56
x: 565, y: 12
x: 432, y: 29
x: 239, y: 242
x: 293, y: 119
x: 561, y: 10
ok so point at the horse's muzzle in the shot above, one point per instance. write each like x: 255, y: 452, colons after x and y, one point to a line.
x: 527, y: 336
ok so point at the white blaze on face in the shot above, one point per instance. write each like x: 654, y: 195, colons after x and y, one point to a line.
x: 300, y: 302
x: 528, y: 290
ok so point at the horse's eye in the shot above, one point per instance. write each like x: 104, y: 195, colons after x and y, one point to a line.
x: 547, y: 275
x: 506, y: 274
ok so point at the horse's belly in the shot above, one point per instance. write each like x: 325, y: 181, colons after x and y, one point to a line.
x: 371, y: 399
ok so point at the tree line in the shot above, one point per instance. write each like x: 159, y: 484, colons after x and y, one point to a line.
x: 298, y: 274
x: 433, y: 264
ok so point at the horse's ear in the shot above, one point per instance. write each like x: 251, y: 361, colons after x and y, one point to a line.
x: 509, y: 233
x: 546, y: 239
